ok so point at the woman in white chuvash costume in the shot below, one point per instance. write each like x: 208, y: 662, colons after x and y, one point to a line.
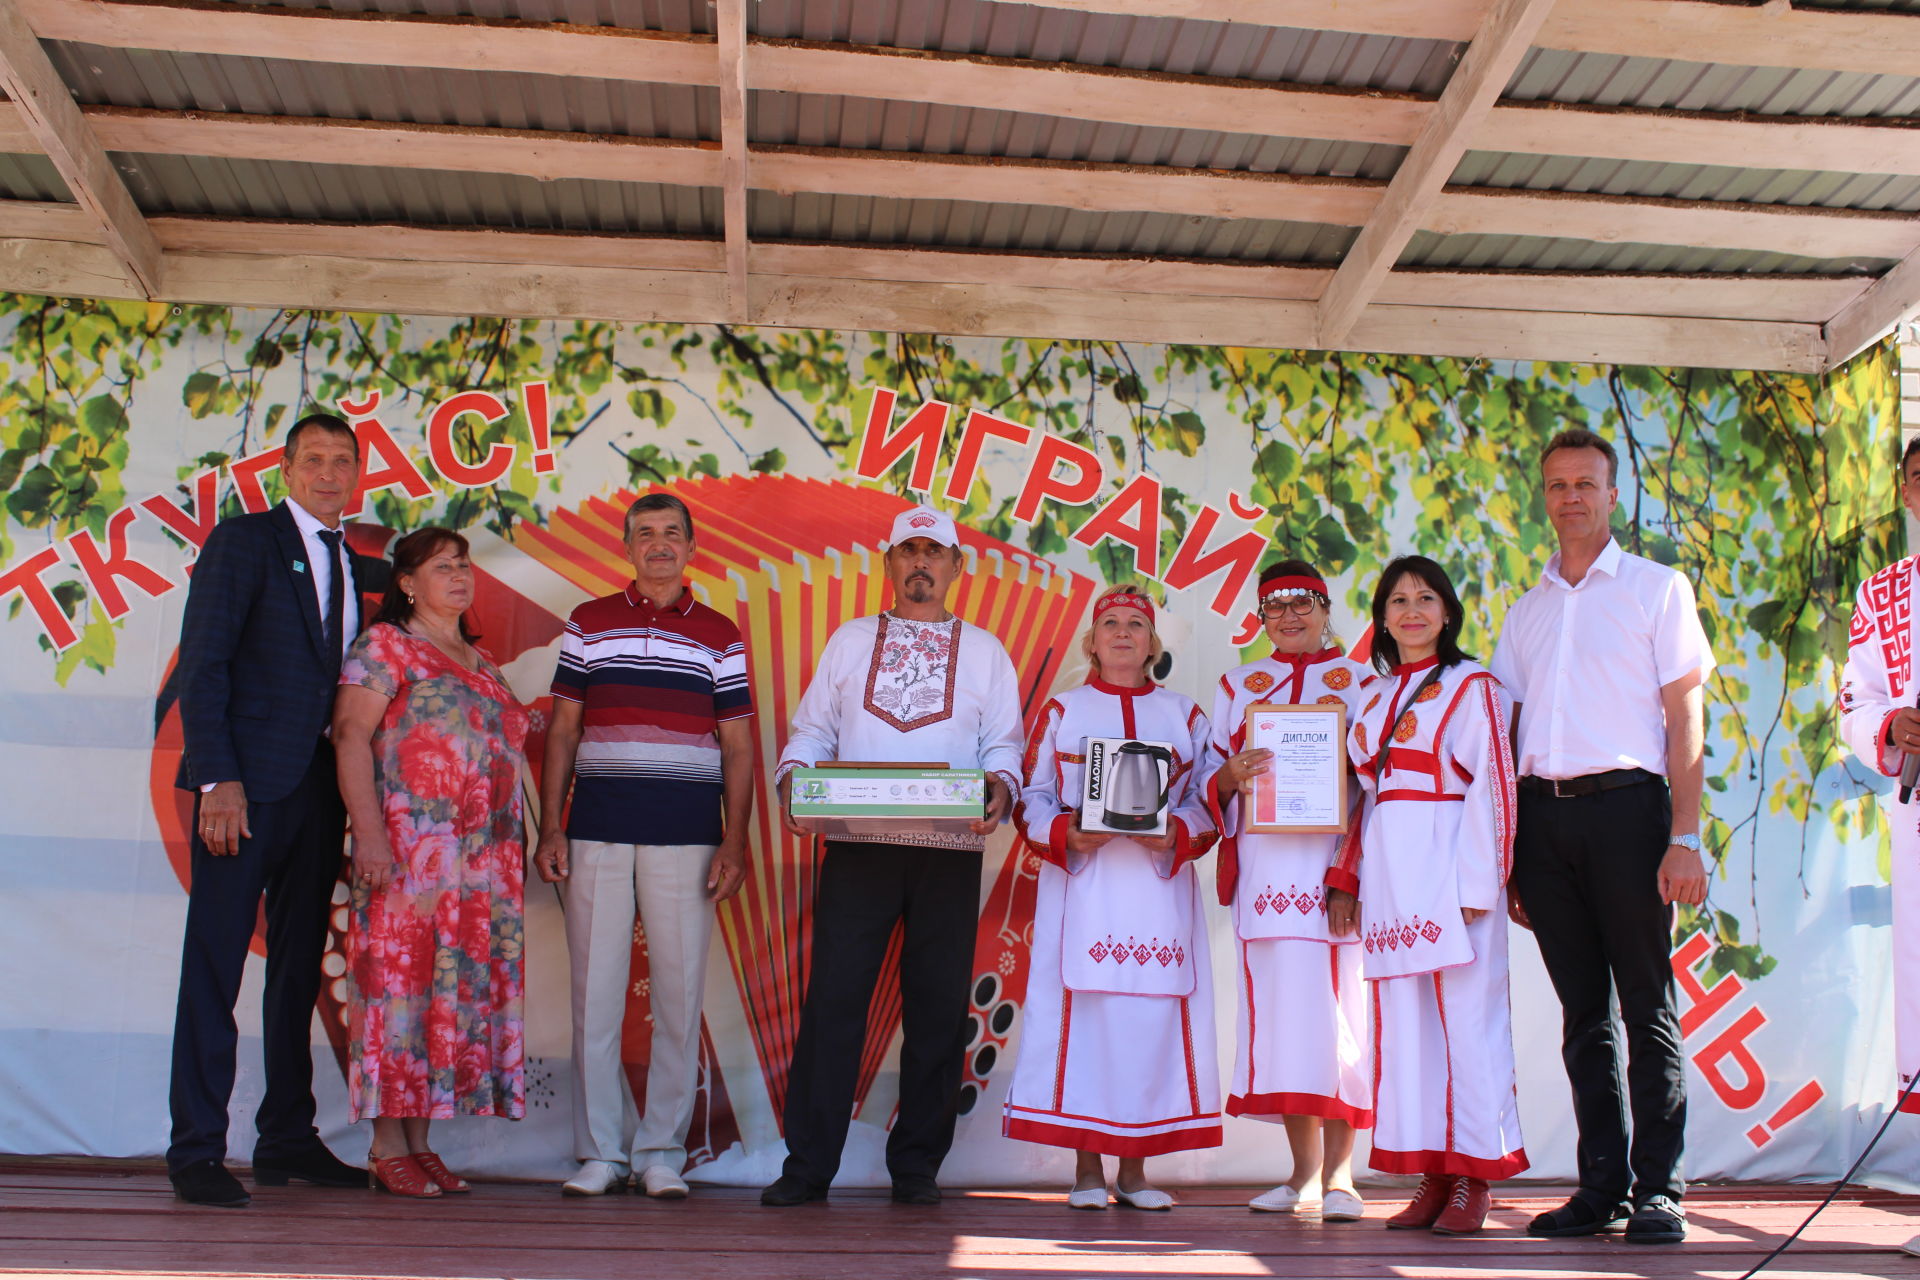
x: 1303, y: 1053
x: 1117, y: 1055
x: 1432, y: 861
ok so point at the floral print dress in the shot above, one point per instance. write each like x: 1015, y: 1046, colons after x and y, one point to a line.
x: 435, y: 958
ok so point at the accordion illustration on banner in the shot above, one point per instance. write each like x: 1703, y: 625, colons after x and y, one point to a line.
x: 791, y: 559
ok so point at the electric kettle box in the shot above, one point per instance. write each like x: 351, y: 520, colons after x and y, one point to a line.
x: 887, y: 799
x: 1124, y: 785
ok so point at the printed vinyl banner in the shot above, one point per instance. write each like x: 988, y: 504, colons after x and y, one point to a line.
x: 130, y: 429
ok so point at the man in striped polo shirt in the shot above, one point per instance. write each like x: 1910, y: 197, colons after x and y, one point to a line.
x: 650, y: 731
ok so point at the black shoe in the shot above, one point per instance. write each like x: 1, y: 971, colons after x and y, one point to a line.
x: 208, y: 1182
x: 316, y: 1165
x: 791, y: 1189
x: 916, y: 1188
x: 1657, y: 1220
x: 1580, y: 1217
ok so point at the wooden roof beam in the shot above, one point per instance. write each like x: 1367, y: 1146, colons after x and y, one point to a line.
x: 1485, y: 68
x: 731, y: 26
x: 1786, y: 229
x: 1892, y: 300
x: 45, y: 108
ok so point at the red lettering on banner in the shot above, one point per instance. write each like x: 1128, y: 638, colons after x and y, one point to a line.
x: 246, y: 473
x: 383, y: 464
x: 533, y: 398
x: 1042, y: 485
x: 966, y: 466
x: 881, y: 448
x: 103, y: 572
x: 1131, y: 516
x: 1707, y: 1000
x: 1792, y: 1109
x: 1240, y: 557
x: 1732, y: 1044
x: 25, y: 578
x: 1250, y: 629
x: 196, y: 528
x: 447, y: 462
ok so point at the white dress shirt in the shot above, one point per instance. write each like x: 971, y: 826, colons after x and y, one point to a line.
x: 323, y: 566
x: 1586, y: 662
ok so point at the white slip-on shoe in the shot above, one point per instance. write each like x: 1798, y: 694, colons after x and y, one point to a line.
x: 1341, y: 1206
x: 1087, y: 1198
x: 662, y: 1183
x: 596, y: 1178
x: 1912, y: 1246
x: 1152, y: 1198
x: 1282, y: 1199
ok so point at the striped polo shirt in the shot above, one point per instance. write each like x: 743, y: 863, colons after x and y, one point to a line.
x: 654, y: 683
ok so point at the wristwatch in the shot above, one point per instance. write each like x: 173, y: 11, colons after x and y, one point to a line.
x: 1688, y: 841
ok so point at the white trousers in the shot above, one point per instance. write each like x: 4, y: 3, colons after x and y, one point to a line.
x: 665, y: 886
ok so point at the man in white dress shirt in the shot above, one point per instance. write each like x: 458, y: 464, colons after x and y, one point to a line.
x: 1605, y: 659
x: 912, y: 684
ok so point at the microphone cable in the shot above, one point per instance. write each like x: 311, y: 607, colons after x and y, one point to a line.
x: 1844, y: 1179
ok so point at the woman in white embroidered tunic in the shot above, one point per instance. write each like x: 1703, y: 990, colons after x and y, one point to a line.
x: 1430, y: 872
x: 1118, y: 1053
x: 1303, y: 1051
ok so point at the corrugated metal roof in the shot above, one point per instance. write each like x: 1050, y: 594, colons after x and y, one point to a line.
x: 286, y: 189
x: 1689, y: 182
x: 497, y: 99
x: 1542, y: 253
x: 1601, y: 79
x: 966, y: 224
x: 645, y: 15
x: 31, y: 178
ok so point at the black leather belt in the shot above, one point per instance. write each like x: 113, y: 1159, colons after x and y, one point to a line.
x: 1591, y: 784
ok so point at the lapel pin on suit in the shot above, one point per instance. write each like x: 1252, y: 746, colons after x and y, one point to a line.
x: 299, y: 566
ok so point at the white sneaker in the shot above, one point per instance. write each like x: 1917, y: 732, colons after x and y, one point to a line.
x: 1341, y: 1206
x: 596, y: 1178
x: 662, y: 1183
x: 1912, y: 1246
x: 1282, y: 1199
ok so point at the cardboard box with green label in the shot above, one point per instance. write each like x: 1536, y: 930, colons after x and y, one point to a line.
x: 882, y: 799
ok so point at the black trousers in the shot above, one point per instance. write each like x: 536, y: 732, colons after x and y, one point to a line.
x: 1586, y: 870
x: 863, y: 889
x: 293, y: 857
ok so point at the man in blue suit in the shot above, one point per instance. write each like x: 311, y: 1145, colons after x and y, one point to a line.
x: 274, y: 602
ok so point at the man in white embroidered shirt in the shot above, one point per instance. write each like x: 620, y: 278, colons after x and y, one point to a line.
x: 912, y: 684
x: 1605, y: 659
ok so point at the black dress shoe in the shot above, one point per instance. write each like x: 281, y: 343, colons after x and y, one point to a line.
x: 791, y: 1189
x: 916, y: 1188
x: 1580, y: 1216
x: 1657, y: 1220
x: 208, y: 1182
x: 316, y: 1165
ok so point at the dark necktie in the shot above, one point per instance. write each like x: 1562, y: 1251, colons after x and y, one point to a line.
x: 336, y: 594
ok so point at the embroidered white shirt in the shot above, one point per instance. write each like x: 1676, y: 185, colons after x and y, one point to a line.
x: 891, y: 689
x: 1586, y: 662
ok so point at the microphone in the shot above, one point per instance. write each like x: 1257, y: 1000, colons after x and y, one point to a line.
x: 1909, y: 770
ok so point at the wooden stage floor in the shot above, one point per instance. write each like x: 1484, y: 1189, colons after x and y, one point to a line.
x: 114, y: 1218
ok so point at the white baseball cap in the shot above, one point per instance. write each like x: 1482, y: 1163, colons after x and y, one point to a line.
x: 924, y: 522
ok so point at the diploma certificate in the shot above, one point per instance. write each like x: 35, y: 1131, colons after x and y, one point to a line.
x: 1305, y: 786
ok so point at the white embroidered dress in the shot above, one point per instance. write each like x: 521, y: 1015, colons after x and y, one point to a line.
x: 1878, y: 682
x: 1305, y: 1038
x: 1437, y: 837
x: 1117, y: 1050
x: 888, y: 688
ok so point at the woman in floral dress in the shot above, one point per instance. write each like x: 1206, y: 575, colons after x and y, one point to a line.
x: 429, y: 741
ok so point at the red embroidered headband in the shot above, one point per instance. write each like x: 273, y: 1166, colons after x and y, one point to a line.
x: 1122, y: 599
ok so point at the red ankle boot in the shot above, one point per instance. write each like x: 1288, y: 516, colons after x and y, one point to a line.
x: 1427, y: 1203
x: 1466, y: 1210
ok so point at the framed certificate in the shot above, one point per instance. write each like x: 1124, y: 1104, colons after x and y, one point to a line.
x: 1305, y: 787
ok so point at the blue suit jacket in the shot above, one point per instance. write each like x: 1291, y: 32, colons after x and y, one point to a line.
x: 255, y: 682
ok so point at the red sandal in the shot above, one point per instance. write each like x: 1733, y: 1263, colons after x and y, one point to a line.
x: 435, y: 1168
x: 401, y: 1175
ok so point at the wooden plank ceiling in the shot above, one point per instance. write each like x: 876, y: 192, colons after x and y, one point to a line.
x: 1813, y: 280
